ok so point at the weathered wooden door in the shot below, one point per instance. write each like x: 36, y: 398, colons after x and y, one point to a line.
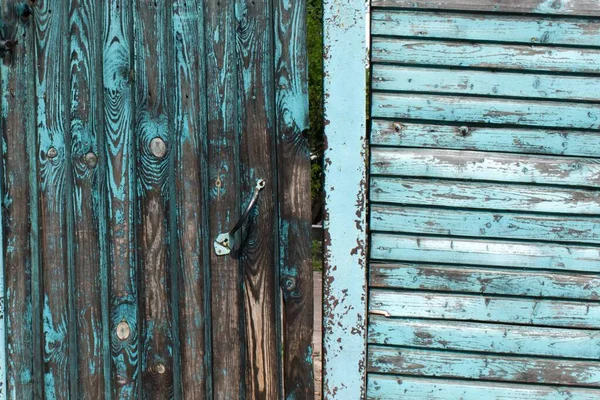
x: 133, y: 133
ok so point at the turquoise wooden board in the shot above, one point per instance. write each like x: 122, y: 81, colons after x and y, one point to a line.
x: 473, y: 279
x: 464, y: 136
x: 484, y: 83
x: 484, y: 195
x: 483, y: 337
x: 485, y: 110
x: 497, y: 224
x: 462, y: 307
x: 484, y: 55
x: 391, y: 388
x: 501, y: 253
x: 501, y: 167
x: 487, y: 367
x: 483, y: 27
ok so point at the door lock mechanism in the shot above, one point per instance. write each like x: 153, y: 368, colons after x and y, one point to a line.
x: 228, y: 241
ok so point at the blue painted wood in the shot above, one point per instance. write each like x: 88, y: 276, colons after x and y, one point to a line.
x: 499, y: 167
x: 484, y: 195
x: 474, y: 279
x: 485, y: 252
x: 484, y: 27
x: 485, y: 337
x: 457, y: 135
x: 489, y: 367
x: 383, y: 387
x: 484, y: 83
x: 497, y: 224
x: 344, y: 275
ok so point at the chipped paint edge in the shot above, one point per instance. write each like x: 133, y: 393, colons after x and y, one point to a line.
x: 345, y: 229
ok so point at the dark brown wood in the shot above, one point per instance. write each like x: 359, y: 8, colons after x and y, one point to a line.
x: 189, y: 201
x: 19, y: 230
x: 224, y: 205
x: 154, y: 140
x: 579, y: 7
x: 258, y: 256
x: 293, y: 169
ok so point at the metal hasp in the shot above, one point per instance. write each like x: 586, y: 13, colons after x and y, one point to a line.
x: 227, y: 241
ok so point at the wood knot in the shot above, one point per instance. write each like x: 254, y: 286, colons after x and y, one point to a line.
x: 52, y: 153
x: 123, y: 330
x: 158, y: 147
x: 464, y: 131
x: 91, y: 160
x: 398, y: 127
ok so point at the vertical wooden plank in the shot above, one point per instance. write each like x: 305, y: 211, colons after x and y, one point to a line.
x: 257, y: 156
x: 189, y: 151
x: 344, y: 319
x: 293, y: 171
x: 119, y: 147
x: 18, y: 219
x: 224, y: 188
x: 51, y: 82
x: 153, y: 142
x: 89, y: 218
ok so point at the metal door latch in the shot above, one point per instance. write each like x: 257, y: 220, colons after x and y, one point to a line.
x: 228, y: 241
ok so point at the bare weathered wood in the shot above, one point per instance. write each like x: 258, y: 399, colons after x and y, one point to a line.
x: 189, y: 203
x: 154, y: 141
x: 89, y: 219
x: 224, y: 205
x: 487, y: 138
x: 444, y: 364
x: 579, y: 7
x: 485, y: 55
x: 52, y: 84
x: 293, y: 169
x: 448, y: 278
x: 507, y: 310
x: 119, y: 148
x: 493, y: 224
x: 383, y: 387
x: 501, y: 167
x: 19, y: 214
x: 530, y: 29
x: 483, y: 337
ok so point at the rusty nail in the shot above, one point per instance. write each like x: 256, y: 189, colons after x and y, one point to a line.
x: 123, y: 330
x: 52, y: 152
x: 158, y: 147
x: 91, y: 159
x: 160, y: 368
x: 398, y: 127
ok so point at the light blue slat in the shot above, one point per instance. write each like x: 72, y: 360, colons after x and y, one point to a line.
x: 483, y: 27
x: 461, y: 54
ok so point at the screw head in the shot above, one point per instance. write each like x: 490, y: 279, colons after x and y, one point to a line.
x: 158, y: 147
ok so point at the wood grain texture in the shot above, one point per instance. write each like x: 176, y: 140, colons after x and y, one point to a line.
x: 190, y: 199
x: 223, y: 135
x: 485, y: 110
x: 486, y: 138
x: 499, y: 167
x: 119, y: 148
x: 52, y: 83
x: 483, y: 83
x: 383, y: 387
x: 485, y: 252
x: 482, y: 224
x: 293, y: 168
x: 485, y: 55
x: 485, y: 27
x: 481, y: 337
x: 580, y: 7
x: 469, y: 279
x: 19, y: 215
x: 258, y: 262
x: 483, y: 195
x: 539, y: 312
x: 486, y: 367
x: 91, y: 290
x: 154, y: 141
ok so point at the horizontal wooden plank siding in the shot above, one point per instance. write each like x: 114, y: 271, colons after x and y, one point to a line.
x: 484, y: 269
x: 579, y: 7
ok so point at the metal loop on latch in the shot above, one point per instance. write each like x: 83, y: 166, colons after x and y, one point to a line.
x: 227, y: 241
